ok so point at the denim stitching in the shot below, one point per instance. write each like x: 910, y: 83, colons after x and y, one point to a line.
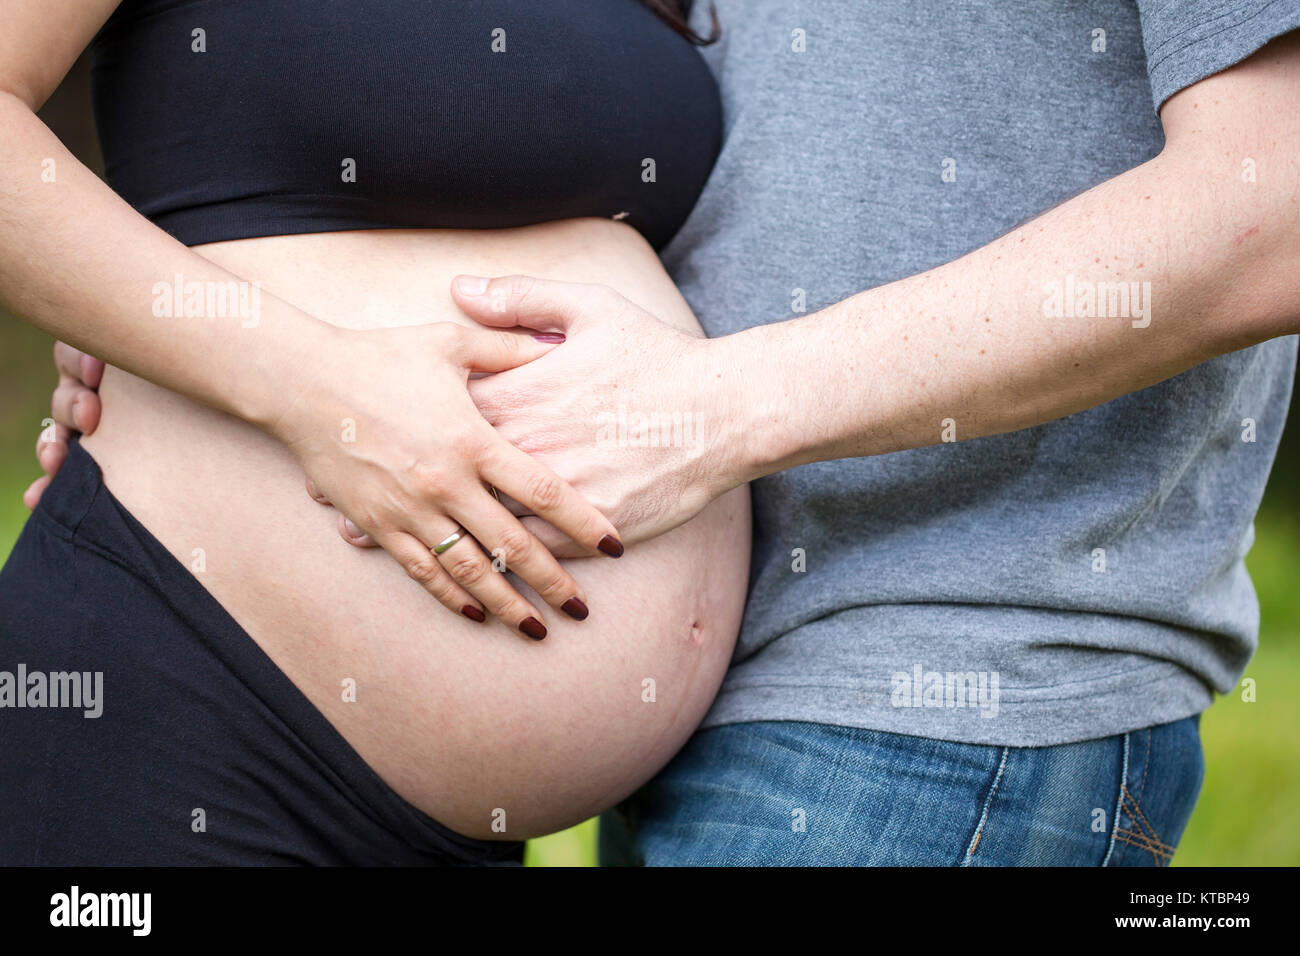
x: 1159, y: 856
x: 1147, y: 829
x: 1146, y: 765
x: 1144, y: 842
x: 1142, y: 834
x: 988, y: 802
x: 1160, y: 852
x: 1119, y: 806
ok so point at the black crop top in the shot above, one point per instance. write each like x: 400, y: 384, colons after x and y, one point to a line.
x: 225, y: 119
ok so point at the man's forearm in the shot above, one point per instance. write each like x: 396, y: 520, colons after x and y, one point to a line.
x: 1126, y: 285
x: 1189, y: 256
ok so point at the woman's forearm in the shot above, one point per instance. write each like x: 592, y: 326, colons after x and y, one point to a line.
x: 414, y: 464
x: 80, y: 264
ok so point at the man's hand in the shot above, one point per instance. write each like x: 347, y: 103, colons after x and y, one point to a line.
x: 625, y: 410
x: 74, y: 407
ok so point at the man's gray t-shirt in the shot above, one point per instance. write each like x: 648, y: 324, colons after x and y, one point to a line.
x: 1074, y: 580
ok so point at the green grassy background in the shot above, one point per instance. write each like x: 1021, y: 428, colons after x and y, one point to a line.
x: 1247, y: 811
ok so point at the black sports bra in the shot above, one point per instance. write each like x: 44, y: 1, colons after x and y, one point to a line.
x: 225, y: 119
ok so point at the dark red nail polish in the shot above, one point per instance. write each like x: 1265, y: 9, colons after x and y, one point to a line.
x: 575, y: 609
x: 611, y: 546
x: 473, y: 613
x: 549, y: 336
x: 533, y: 628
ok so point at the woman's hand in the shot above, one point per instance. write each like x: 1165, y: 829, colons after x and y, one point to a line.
x: 385, y: 429
x: 74, y: 408
x: 631, y: 410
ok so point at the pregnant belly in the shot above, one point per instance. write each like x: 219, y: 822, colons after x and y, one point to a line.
x: 467, y: 721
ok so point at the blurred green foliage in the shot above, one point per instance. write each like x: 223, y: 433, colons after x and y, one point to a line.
x: 1247, y: 810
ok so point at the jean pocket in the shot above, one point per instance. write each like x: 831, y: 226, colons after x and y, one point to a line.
x: 1163, y: 768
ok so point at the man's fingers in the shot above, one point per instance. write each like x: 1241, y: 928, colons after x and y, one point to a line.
x: 348, y: 531
x: 68, y: 360
x: 54, y: 435
x: 75, y: 406
x: 51, y: 455
x: 34, y: 491
x: 354, y: 535
x: 77, y: 365
x: 315, y: 493
x: 92, y: 371
x: 543, y: 304
x: 65, y: 393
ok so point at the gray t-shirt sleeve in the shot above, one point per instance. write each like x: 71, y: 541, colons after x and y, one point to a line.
x: 1188, y: 40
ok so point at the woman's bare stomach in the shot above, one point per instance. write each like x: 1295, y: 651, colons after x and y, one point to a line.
x: 464, y: 720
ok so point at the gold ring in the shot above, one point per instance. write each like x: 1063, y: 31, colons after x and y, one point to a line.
x: 448, y: 541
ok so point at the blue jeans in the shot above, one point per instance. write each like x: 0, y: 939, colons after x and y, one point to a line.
x: 798, y: 794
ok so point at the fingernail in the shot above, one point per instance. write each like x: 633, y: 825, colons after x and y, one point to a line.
x: 549, y: 336
x: 471, y: 285
x: 351, y: 528
x: 575, y: 609
x: 473, y: 613
x: 76, y: 404
x: 611, y: 546
x: 533, y: 628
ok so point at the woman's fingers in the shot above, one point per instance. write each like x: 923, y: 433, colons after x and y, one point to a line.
x: 424, y: 568
x: 462, y: 558
x: 463, y: 579
x: 514, y: 549
x: 535, y: 303
x: 554, y: 541
x: 494, y: 350
x: 548, y: 496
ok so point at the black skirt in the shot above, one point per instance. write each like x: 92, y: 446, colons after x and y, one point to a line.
x: 139, y: 724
